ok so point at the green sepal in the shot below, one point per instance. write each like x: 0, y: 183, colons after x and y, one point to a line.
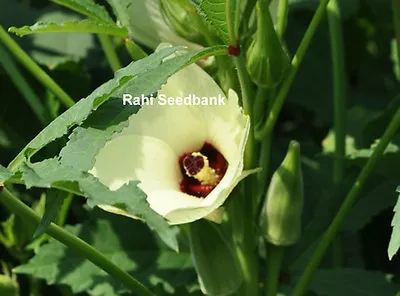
x: 134, y: 50
x: 267, y: 58
x: 216, y: 265
x: 184, y: 19
x: 283, y: 205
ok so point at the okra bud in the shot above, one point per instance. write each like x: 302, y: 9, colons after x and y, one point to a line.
x: 267, y: 57
x: 283, y: 205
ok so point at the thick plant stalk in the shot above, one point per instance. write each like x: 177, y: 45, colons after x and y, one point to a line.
x: 28, y: 215
x: 34, y: 68
x: 339, y: 102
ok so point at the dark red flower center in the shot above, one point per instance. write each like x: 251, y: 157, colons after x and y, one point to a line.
x: 202, y: 170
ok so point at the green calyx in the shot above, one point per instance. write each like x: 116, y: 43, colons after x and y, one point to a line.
x: 283, y: 206
x: 216, y: 265
x: 267, y: 57
x: 184, y: 19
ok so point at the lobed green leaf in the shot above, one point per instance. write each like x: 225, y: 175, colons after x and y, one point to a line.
x: 112, y: 117
x: 214, y: 12
x: 5, y: 174
x: 135, y: 252
x: 128, y: 198
x: 45, y: 173
x: 122, y: 9
x: 83, y: 26
x: 394, y: 243
x: 88, y: 8
x: 77, y: 157
x: 82, y: 109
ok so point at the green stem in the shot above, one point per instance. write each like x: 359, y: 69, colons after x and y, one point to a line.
x: 22, y: 85
x: 264, y: 99
x: 226, y: 73
x: 264, y: 21
x: 339, y: 89
x: 296, y: 61
x: 262, y: 177
x: 246, y: 252
x: 62, y: 215
x: 244, y: 236
x: 34, y: 68
x: 244, y: 26
x: 283, y: 10
x: 109, y: 51
x: 259, y: 104
x: 263, y: 102
x: 243, y: 221
x: 28, y: 215
x: 109, y: 30
x: 334, y: 227
x: 396, y: 24
x: 273, y: 269
x: 245, y: 84
x: 339, y: 99
x: 232, y: 20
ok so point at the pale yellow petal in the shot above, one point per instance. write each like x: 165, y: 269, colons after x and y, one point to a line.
x: 132, y: 157
x: 178, y: 126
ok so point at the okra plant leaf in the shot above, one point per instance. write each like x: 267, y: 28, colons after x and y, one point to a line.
x: 394, y: 243
x: 129, y: 198
x: 83, y: 26
x: 5, y: 174
x: 135, y: 252
x: 86, y: 140
x: 88, y: 8
x: 112, y: 117
x: 215, y: 13
x: 45, y: 173
x: 141, y: 77
x: 132, y: 200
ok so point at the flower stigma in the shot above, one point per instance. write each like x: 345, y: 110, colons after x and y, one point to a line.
x: 197, y: 166
x: 202, y: 170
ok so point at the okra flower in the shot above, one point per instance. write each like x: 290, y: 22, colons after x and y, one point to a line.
x: 188, y: 158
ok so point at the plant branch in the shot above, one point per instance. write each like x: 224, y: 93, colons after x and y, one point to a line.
x: 28, y: 215
x: 396, y: 24
x: 273, y: 269
x: 283, y: 10
x: 22, y: 85
x: 109, y: 51
x: 34, y: 68
x: 339, y: 100
x: 339, y: 88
